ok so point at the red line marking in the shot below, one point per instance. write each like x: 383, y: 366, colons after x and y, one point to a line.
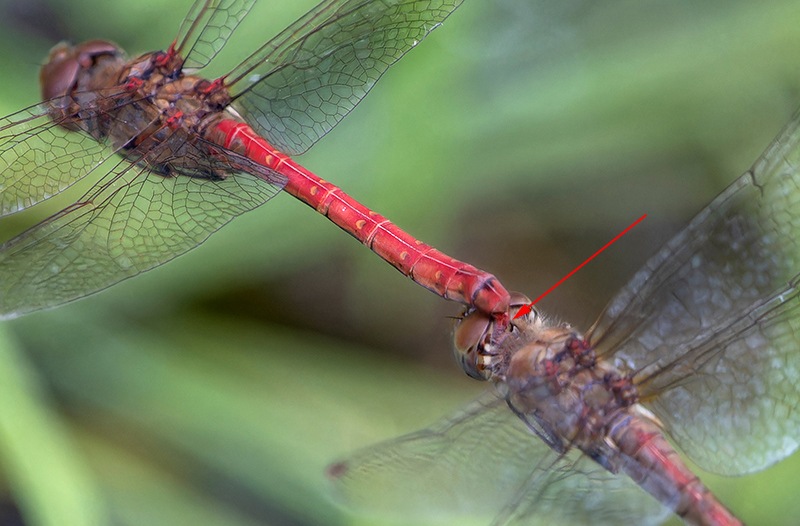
x: 525, y: 309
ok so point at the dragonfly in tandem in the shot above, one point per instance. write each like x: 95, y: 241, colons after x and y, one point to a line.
x: 175, y: 156
x: 702, y: 346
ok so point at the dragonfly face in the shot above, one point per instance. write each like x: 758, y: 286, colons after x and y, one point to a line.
x: 67, y: 65
x: 475, y: 339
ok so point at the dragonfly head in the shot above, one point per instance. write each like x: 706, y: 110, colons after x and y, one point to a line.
x: 474, y: 338
x: 60, y: 74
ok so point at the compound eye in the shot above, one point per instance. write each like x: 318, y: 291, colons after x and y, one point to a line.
x: 59, y: 75
x: 469, y: 338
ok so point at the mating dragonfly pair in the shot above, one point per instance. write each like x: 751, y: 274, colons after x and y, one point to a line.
x: 702, y: 343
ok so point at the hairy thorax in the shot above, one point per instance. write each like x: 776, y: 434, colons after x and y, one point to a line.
x: 554, y: 381
x: 146, y: 108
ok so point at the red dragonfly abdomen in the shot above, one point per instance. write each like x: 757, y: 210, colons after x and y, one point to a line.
x: 434, y: 270
x: 653, y: 463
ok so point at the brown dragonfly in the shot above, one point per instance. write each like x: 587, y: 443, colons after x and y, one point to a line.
x: 702, y: 346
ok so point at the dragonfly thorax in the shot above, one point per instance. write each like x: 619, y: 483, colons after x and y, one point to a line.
x: 557, y: 385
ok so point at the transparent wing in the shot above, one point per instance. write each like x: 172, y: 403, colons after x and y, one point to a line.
x: 483, y: 465
x: 207, y: 27
x: 132, y: 220
x: 299, y: 85
x: 39, y: 159
x: 711, y: 322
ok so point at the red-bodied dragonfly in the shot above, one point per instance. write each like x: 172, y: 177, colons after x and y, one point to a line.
x: 192, y: 153
x: 701, y: 346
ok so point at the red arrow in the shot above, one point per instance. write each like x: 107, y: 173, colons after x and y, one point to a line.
x: 527, y: 308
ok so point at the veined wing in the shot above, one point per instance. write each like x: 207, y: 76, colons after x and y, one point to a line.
x: 483, y: 465
x: 711, y: 322
x: 130, y: 221
x: 39, y: 158
x: 298, y: 86
x: 206, y: 29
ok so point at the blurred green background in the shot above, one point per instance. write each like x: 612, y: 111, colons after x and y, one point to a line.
x: 520, y: 137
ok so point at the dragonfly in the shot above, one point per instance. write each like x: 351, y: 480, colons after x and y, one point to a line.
x: 701, y: 349
x: 175, y: 156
